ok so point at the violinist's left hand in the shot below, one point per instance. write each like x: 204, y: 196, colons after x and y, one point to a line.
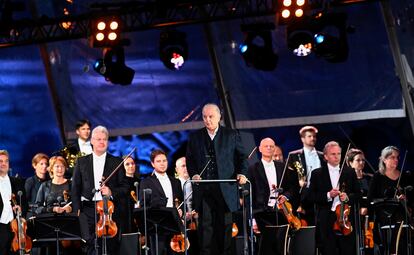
x: 343, y: 197
x: 281, y: 199
x: 16, y: 208
x: 241, y: 179
x: 401, y: 197
x: 180, y: 212
x: 106, y: 191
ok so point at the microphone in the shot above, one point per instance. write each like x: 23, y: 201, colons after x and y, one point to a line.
x: 20, y: 193
x: 136, y: 184
x: 148, y: 191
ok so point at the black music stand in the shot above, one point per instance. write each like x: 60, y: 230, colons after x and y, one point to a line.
x: 51, y: 227
x: 386, y: 216
x: 159, y: 219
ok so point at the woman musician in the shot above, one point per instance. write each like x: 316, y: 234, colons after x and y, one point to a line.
x: 355, y: 159
x: 389, y: 196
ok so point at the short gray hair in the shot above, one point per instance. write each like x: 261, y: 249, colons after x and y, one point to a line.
x: 212, y: 105
x: 100, y: 129
x: 330, y: 144
x: 385, y: 153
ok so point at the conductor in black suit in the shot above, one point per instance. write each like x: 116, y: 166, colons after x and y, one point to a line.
x: 329, y: 186
x: 166, y: 192
x: 268, y: 185
x: 8, y: 186
x: 89, y: 171
x: 220, y: 151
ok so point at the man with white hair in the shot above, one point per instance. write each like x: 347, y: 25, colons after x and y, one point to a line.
x: 88, y: 175
x: 215, y: 152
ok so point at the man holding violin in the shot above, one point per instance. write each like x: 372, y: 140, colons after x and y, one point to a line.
x: 89, y: 185
x: 333, y: 189
x: 9, y: 186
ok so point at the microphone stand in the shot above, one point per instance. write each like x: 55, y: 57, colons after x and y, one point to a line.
x: 94, y: 191
x: 220, y: 181
x: 408, y: 235
x: 145, y: 223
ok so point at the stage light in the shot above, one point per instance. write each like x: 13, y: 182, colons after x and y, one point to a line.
x: 173, y: 49
x: 116, y: 71
x: 257, y: 48
x: 105, y: 32
x: 291, y: 10
x: 323, y: 34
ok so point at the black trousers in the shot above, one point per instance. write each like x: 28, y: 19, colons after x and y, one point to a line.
x: 88, y: 233
x: 6, y: 237
x: 215, y: 222
x: 331, y: 243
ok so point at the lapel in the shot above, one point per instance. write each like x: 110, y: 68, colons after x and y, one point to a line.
x: 218, y: 141
x: 302, y: 159
x: 89, y: 169
x: 326, y: 178
x: 279, y: 173
x: 262, y: 175
x: 157, y: 185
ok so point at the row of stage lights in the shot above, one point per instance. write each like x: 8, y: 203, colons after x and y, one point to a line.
x: 305, y: 34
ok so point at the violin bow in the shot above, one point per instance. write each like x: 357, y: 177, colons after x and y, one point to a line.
x: 401, y: 171
x: 118, y: 167
x: 343, y: 164
x: 353, y: 144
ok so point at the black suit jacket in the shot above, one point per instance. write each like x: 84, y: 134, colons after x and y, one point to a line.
x: 158, y: 198
x: 321, y: 185
x: 260, y: 185
x: 231, y: 159
x: 83, y: 179
x: 16, y: 186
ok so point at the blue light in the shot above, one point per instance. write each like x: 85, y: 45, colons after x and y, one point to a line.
x: 243, y: 48
x: 319, y: 38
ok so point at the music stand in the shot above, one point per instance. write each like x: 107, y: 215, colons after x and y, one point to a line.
x: 50, y: 227
x: 385, y: 215
x: 165, y: 219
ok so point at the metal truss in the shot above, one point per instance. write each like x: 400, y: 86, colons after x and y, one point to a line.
x: 135, y: 17
x: 138, y: 16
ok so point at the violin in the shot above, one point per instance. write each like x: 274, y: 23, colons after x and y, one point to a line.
x: 105, y: 225
x: 342, y: 225
x: 177, y: 243
x: 286, y: 208
x: 21, y: 241
x: 368, y: 234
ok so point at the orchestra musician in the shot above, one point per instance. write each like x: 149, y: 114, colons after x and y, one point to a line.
x: 330, y: 187
x: 88, y: 174
x: 51, y: 195
x: 266, y: 176
x: 304, y: 161
x: 390, y: 184
x: 129, y: 202
x: 165, y: 191
x: 40, y: 162
x: 9, y: 185
x: 219, y: 151
x: 278, y: 154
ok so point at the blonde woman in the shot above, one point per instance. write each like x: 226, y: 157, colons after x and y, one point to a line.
x: 54, y: 195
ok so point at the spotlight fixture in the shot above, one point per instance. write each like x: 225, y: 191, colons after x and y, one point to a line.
x: 257, y: 48
x: 290, y: 10
x: 173, y: 48
x: 324, y: 34
x: 105, y: 32
x: 114, y: 71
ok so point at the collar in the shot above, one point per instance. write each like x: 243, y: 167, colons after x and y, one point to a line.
x: 4, y: 178
x: 333, y: 168
x: 81, y: 142
x: 103, y: 156
x: 307, y: 151
x: 215, y: 131
x: 160, y: 176
x: 266, y: 163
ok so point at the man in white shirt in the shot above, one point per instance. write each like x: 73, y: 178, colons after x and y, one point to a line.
x: 166, y: 192
x: 330, y: 186
x: 9, y: 186
x: 88, y: 174
x: 304, y: 161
